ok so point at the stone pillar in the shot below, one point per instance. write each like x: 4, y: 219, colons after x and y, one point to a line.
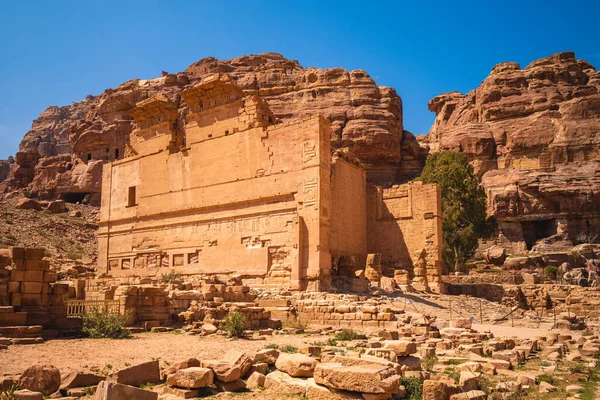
x: 373, y: 269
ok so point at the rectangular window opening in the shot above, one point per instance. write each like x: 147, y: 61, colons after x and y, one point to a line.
x: 131, y: 198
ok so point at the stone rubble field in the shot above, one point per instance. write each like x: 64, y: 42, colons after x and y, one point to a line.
x: 429, y: 358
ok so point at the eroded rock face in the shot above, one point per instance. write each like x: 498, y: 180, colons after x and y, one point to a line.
x: 63, y: 153
x: 533, y: 135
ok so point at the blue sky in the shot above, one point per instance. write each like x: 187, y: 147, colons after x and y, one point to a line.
x: 54, y: 53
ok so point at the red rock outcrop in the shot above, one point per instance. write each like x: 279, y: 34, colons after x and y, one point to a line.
x: 63, y: 153
x: 533, y: 135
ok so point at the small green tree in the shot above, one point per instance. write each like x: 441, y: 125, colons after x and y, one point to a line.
x: 464, y: 218
x: 234, y: 324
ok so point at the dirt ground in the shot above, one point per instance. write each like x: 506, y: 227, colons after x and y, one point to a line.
x: 108, y: 355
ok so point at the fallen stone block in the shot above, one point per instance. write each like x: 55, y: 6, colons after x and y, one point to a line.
x: 191, y: 378
x: 435, y: 390
x: 357, y: 378
x: 136, y: 375
x: 297, y: 365
x: 190, y: 362
x: 268, y: 356
x: 255, y: 381
x: 470, y: 395
x: 116, y: 391
x: 235, y: 386
x: 224, y: 371
x: 78, y: 379
x: 402, y: 348
x: 240, y: 359
x: 25, y: 394
x: 318, y: 392
x: 282, y: 383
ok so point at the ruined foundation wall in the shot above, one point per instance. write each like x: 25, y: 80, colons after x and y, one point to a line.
x: 348, y: 211
x: 405, y: 227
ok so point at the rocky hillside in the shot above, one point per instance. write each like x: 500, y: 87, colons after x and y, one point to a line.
x: 533, y: 134
x: 63, y: 153
x: 68, y: 237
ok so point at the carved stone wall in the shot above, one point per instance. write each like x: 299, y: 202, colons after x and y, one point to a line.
x: 237, y: 193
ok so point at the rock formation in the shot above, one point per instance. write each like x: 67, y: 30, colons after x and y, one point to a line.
x: 533, y: 135
x: 63, y: 153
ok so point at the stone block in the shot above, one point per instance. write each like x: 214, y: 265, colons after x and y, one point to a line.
x: 191, y: 378
x: 78, y: 379
x: 224, y: 371
x: 136, y: 375
x: 357, y: 378
x: 116, y: 391
x: 296, y: 365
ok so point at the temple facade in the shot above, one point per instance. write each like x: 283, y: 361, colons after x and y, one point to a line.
x: 226, y: 189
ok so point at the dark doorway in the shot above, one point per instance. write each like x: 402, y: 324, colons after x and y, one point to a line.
x: 536, y: 230
x: 73, y: 197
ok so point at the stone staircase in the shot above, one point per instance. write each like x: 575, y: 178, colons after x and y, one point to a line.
x: 16, y: 329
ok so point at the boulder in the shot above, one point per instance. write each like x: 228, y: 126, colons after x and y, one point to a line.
x: 28, y: 204
x: 40, y: 378
x: 297, y: 365
x: 209, y: 329
x: 136, y: 375
x: 545, y: 387
x: 191, y: 378
x: 495, y: 255
x: 57, y: 207
x: 357, y: 378
x: 116, y: 391
x: 78, y: 379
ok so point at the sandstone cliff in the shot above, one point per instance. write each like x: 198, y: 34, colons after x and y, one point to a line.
x: 63, y: 153
x: 533, y: 135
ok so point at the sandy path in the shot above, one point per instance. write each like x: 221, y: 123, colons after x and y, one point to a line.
x: 72, y: 354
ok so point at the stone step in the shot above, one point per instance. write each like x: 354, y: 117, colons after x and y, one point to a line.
x: 20, y: 331
x: 13, y: 318
x: 31, y: 340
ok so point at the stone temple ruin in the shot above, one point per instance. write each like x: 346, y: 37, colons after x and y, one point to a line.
x: 234, y: 191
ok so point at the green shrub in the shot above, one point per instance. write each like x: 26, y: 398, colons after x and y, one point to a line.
x: 546, y: 378
x: 9, y: 393
x: 271, y: 346
x: 349, y: 334
x: 74, y: 254
x: 550, y: 271
x: 234, y: 324
x: 295, y: 323
x: 170, y: 277
x: 414, y: 388
x: 428, y: 362
x: 453, y: 374
x: 288, y: 348
x: 102, y: 325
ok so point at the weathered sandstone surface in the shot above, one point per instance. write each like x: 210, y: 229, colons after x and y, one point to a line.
x: 63, y: 153
x: 533, y: 134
